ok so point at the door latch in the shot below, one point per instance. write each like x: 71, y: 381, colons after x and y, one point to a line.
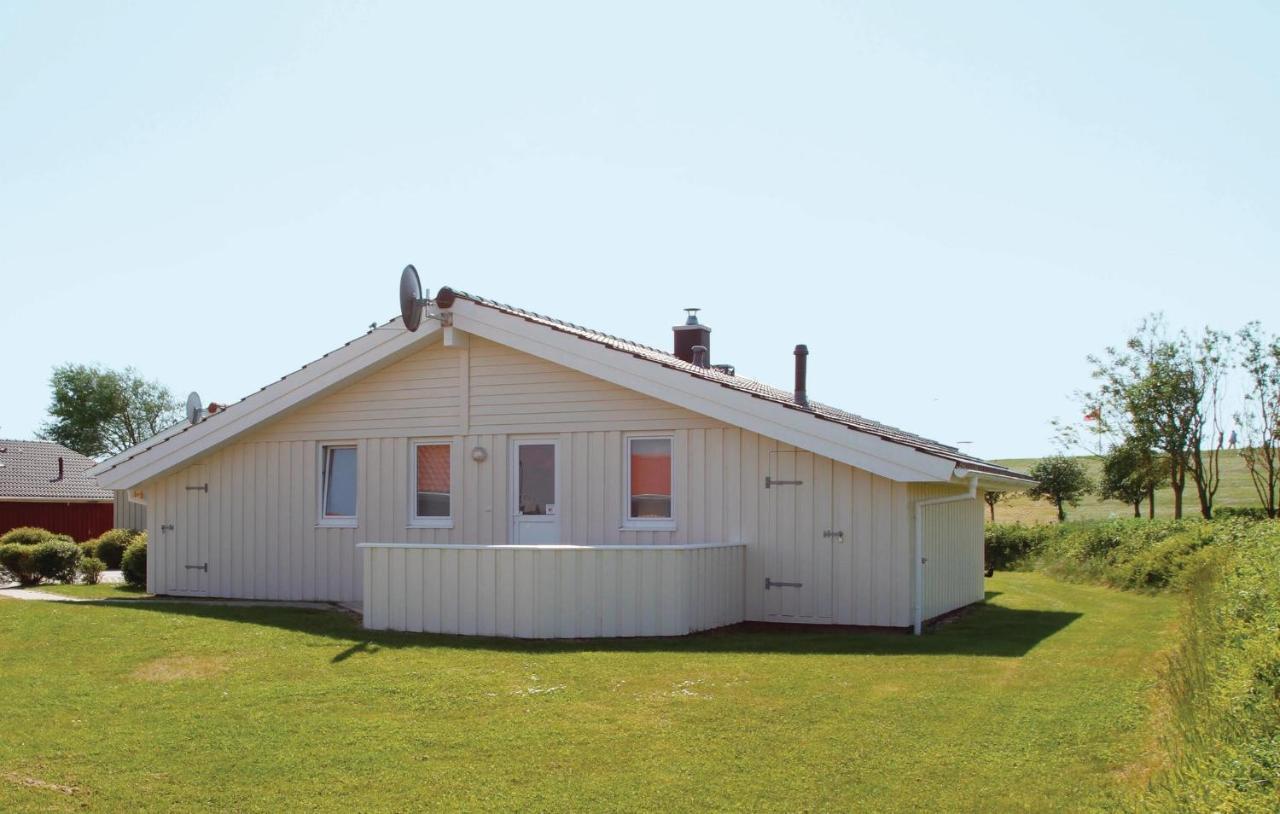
x: 204, y: 567
x: 773, y: 583
x: 202, y: 488
x: 829, y: 534
x: 166, y: 527
x: 769, y: 482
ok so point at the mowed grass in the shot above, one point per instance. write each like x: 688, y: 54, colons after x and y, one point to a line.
x: 1236, y: 490
x: 1035, y: 701
x: 99, y: 591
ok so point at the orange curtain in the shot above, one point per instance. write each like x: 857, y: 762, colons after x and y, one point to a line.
x: 651, y: 474
x: 433, y: 468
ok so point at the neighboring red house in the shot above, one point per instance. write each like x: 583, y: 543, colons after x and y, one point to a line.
x: 43, y: 484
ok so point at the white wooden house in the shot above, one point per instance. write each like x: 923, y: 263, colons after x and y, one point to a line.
x: 501, y: 473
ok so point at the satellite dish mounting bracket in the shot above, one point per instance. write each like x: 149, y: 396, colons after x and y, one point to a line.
x: 413, y: 305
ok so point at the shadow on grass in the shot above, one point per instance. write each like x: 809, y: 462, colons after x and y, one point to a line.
x: 983, y: 630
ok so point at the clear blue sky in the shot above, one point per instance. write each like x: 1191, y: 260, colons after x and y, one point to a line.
x: 952, y: 204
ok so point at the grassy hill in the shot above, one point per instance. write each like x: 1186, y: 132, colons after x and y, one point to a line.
x: 1236, y: 490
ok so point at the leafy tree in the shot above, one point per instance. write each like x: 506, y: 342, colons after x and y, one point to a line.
x: 97, y: 411
x: 1167, y: 390
x: 1260, y: 417
x: 1131, y: 472
x: 1061, y: 481
x: 992, y: 499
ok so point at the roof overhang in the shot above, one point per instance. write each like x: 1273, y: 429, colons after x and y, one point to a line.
x: 389, y: 342
x: 182, y: 442
x: 993, y: 482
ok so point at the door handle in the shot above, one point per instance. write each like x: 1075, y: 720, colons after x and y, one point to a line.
x: 833, y: 534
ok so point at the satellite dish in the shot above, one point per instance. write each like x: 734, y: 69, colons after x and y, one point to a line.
x: 194, y: 407
x: 411, y: 300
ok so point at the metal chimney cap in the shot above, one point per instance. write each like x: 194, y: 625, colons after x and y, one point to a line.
x: 802, y: 350
x: 693, y: 316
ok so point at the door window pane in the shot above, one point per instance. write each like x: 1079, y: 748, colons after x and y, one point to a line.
x: 537, y: 479
x: 650, y: 478
x: 433, y: 480
x: 340, y: 482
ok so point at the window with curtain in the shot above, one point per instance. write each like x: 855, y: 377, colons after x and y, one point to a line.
x: 649, y: 479
x: 432, y: 481
x: 339, y: 483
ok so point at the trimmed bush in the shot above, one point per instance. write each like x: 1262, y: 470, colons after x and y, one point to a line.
x: 110, y: 546
x: 26, y: 535
x: 16, y: 564
x: 89, y: 548
x: 57, y: 560
x: 134, y: 562
x: 91, y: 569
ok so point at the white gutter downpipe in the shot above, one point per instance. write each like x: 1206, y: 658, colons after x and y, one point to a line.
x: 917, y: 588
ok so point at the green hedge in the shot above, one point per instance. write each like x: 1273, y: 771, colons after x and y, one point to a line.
x: 1130, y: 553
x: 26, y: 535
x: 56, y: 560
x: 91, y: 569
x: 17, y: 565
x: 1223, y: 682
x: 110, y: 545
x: 134, y: 562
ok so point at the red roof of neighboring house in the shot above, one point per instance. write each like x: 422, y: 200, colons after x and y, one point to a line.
x: 29, y: 471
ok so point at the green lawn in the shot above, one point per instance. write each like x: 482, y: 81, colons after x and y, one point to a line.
x: 99, y: 591
x: 1236, y: 490
x: 1036, y: 701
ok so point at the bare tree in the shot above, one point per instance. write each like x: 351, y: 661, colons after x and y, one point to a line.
x: 1207, y: 361
x: 1260, y: 417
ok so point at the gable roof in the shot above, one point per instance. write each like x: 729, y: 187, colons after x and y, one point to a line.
x: 756, y: 389
x: 736, y: 400
x: 29, y: 472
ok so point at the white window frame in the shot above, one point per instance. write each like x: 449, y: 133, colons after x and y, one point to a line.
x: 322, y: 482
x: 414, y: 521
x: 630, y: 523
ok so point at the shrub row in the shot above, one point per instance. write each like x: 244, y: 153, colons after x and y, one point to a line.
x: 25, y: 564
x: 1131, y: 553
x: 1222, y: 683
x: 110, y: 545
x: 29, y: 555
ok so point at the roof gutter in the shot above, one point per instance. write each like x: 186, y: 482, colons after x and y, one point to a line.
x: 917, y: 583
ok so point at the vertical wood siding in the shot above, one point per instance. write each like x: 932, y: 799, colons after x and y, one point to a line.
x: 540, y: 592
x: 127, y: 514
x: 259, y: 515
x: 83, y: 521
x: 953, y: 546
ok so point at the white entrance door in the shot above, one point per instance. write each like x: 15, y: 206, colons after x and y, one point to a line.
x: 535, y: 490
x: 190, y: 555
x: 799, y: 562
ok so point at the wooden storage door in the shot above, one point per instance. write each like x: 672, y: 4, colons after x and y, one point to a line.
x: 799, y: 565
